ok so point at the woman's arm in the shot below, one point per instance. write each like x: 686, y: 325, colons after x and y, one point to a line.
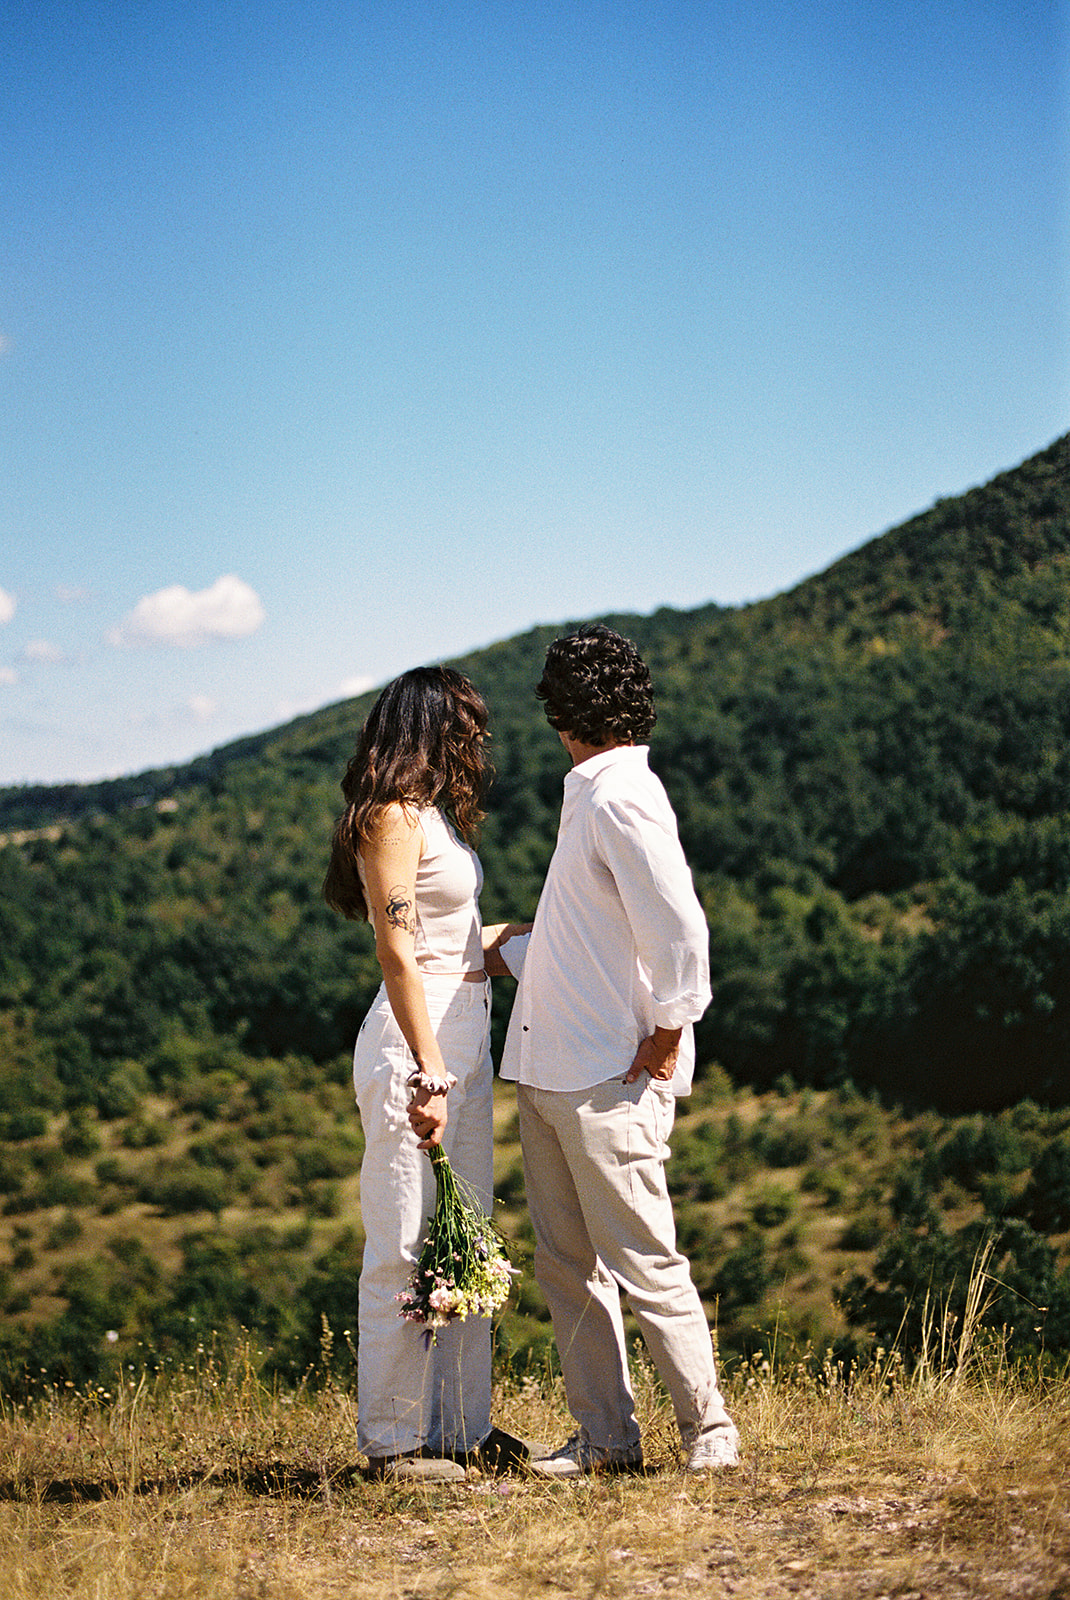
x: 391, y: 856
x: 494, y: 937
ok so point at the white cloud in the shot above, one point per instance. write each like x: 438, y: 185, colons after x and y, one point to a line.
x: 45, y: 651
x: 175, y: 616
x: 203, y: 707
x: 349, y: 688
x: 8, y: 675
x: 7, y: 606
x: 71, y: 596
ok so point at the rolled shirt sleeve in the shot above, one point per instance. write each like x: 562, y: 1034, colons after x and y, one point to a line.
x: 513, y: 951
x: 642, y: 851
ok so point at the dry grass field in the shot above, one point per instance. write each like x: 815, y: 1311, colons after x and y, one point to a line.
x: 947, y: 1477
x: 201, y: 1484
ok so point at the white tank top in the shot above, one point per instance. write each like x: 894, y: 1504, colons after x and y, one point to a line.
x: 448, y: 880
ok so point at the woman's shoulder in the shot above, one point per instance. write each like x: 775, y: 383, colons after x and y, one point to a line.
x: 394, y: 823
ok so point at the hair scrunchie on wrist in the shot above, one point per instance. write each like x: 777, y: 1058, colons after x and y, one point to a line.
x: 430, y: 1081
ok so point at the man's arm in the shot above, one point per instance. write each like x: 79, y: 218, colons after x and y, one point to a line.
x: 667, y: 922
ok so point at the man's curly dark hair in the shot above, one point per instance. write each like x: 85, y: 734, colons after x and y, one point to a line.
x: 596, y: 687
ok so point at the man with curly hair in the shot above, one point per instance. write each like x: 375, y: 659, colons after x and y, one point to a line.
x: 614, y: 973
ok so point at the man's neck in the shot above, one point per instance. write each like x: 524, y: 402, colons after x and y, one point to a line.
x: 581, y: 752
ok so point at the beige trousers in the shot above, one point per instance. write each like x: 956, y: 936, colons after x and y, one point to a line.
x: 594, y: 1169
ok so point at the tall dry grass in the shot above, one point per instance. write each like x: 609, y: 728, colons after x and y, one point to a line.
x: 945, y: 1477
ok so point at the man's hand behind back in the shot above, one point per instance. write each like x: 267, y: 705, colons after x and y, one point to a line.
x: 656, y: 1056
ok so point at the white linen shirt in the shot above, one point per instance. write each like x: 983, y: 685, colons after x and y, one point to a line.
x: 620, y: 943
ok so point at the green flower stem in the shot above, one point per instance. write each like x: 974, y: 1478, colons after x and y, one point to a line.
x: 463, y: 1267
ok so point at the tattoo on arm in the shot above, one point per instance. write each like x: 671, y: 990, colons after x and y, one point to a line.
x: 399, y: 910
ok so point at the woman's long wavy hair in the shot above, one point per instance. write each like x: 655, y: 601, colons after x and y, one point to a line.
x: 422, y: 745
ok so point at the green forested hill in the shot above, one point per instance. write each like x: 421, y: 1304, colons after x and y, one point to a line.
x: 873, y: 784
x: 872, y: 774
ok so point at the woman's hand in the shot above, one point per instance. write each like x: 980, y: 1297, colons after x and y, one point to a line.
x: 494, y: 937
x: 428, y: 1117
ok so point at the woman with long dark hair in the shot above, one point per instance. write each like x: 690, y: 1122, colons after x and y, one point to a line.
x: 401, y: 858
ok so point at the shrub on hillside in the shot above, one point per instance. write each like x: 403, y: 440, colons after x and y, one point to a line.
x: 979, y: 1148
x: 698, y: 1169
x: 831, y: 1183
x: 64, y: 1232
x: 921, y: 1283
x: 1046, y: 1202
x: 744, y: 1275
x: 109, y: 1169
x: 23, y: 1124
x: 13, y: 1168
x: 791, y: 1144
x: 334, y: 1156
x: 772, y: 1205
x: 324, y: 1335
x: 912, y: 1196
x: 80, y: 1137
x: 323, y: 1197
x: 184, y: 1188
x: 142, y: 1133
x: 121, y: 1092
x: 864, y: 1231
x: 743, y: 1148
x: 58, y: 1188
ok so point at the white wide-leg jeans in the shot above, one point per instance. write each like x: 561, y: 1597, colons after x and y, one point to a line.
x: 594, y: 1171
x: 411, y: 1393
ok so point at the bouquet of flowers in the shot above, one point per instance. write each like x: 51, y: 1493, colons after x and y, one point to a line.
x: 463, y: 1269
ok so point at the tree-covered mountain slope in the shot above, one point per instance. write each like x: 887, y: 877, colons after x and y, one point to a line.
x: 872, y: 775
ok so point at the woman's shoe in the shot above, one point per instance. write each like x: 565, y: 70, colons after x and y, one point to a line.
x: 414, y: 1469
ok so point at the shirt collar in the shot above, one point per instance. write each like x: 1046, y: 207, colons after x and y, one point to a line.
x: 621, y: 754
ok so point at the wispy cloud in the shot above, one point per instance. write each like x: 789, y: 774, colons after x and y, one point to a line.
x: 44, y: 651
x: 230, y: 609
x: 7, y: 606
x: 8, y: 675
x: 177, y: 716
x: 348, y: 689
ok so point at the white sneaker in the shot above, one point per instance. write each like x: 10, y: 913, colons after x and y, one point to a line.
x: 714, y: 1451
x: 579, y: 1456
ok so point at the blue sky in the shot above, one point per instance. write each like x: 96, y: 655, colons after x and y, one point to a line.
x: 336, y: 338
